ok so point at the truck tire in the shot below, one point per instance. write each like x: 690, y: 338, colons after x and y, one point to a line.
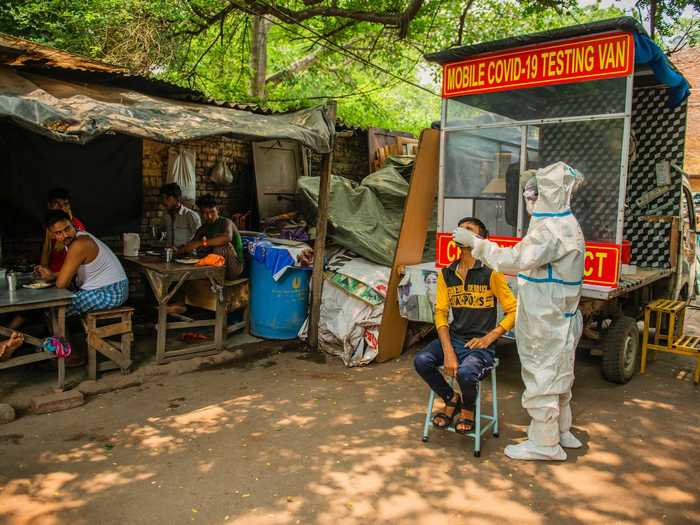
x: 621, y: 350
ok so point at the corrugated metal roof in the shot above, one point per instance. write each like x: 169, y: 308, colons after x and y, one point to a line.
x: 18, y: 52
x: 27, y: 55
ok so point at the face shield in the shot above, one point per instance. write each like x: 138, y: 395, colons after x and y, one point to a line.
x: 530, y: 194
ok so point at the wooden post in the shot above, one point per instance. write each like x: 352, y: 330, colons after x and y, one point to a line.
x: 417, y: 213
x: 320, y: 242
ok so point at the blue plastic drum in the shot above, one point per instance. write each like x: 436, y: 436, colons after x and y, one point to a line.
x: 278, y: 309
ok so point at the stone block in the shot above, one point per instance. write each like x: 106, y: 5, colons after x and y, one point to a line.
x: 57, y: 402
x: 7, y: 413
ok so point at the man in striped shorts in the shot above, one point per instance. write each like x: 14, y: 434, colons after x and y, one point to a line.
x: 99, y: 276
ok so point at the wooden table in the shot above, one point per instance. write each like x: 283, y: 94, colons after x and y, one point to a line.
x: 54, y: 301
x: 165, y: 280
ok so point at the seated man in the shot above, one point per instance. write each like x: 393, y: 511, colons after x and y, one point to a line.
x: 217, y: 235
x: 466, y: 347
x: 181, y: 223
x: 53, y: 252
x: 100, y: 277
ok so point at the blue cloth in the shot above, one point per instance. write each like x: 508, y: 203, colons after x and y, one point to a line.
x: 647, y: 52
x: 109, y: 296
x: 275, y: 258
x: 474, y: 365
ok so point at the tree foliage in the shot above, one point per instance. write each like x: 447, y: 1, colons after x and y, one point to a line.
x: 366, y: 54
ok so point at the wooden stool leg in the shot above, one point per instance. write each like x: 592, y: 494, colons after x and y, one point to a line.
x: 657, y: 331
x: 127, y: 341
x: 696, y: 377
x: 61, y: 373
x: 92, y: 363
x: 671, y: 331
x: 645, y: 340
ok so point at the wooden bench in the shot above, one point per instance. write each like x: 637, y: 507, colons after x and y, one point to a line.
x: 670, y: 341
x: 101, y: 325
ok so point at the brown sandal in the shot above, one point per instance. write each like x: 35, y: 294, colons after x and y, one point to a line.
x: 446, y: 418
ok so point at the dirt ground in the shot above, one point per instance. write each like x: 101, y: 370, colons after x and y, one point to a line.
x: 290, y: 439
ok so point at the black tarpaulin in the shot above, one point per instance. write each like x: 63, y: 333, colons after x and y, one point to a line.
x: 103, y: 177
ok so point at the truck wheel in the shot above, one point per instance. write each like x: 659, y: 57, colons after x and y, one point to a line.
x: 620, y: 350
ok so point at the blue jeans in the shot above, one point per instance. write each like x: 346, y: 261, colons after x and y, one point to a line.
x: 473, y: 366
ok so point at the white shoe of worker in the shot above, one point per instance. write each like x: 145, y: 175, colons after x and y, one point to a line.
x: 568, y: 440
x: 529, y: 451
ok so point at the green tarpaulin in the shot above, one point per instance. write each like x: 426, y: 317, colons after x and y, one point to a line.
x: 365, y: 217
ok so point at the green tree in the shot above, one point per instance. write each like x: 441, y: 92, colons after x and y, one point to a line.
x: 367, y: 54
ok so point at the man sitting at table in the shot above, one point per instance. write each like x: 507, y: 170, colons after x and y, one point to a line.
x: 53, y: 252
x: 217, y: 235
x: 181, y: 223
x: 100, y: 277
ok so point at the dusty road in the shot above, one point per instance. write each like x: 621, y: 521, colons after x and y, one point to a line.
x: 287, y: 440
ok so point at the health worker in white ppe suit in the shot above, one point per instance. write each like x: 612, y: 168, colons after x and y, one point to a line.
x: 549, y: 264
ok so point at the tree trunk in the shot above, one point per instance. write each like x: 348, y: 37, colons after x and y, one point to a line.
x: 258, y: 57
x: 652, y: 18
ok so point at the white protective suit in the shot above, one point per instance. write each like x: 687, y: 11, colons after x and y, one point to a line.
x: 549, y: 263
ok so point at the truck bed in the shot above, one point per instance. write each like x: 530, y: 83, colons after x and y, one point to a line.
x: 628, y: 282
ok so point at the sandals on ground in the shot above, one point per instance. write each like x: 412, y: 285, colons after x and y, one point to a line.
x: 467, y: 426
x: 446, y: 419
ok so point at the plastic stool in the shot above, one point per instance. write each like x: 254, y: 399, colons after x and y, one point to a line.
x: 478, y: 416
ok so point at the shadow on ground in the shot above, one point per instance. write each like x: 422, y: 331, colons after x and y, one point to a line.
x: 288, y: 439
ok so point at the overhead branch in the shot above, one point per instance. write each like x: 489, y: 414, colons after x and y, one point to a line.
x: 462, y: 18
x: 398, y: 20
x: 303, y: 63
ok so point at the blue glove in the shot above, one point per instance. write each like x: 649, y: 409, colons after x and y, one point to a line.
x: 465, y: 237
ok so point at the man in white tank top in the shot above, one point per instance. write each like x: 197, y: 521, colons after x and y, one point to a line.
x: 99, y: 276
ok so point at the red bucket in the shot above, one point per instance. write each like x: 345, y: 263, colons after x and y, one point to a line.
x: 626, y: 252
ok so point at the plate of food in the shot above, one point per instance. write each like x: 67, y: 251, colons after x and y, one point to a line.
x: 37, y: 285
x: 187, y: 260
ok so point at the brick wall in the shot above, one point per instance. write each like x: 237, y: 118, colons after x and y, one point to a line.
x: 233, y: 198
x: 350, y: 157
x: 688, y: 62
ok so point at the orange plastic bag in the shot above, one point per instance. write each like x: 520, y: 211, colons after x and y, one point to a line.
x: 211, y: 260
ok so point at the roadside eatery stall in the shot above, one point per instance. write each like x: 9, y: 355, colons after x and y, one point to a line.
x: 604, y: 99
x: 113, y: 139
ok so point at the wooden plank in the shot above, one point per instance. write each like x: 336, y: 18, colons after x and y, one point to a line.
x: 675, y: 239
x: 34, y: 306
x: 191, y: 350
x: 27, y: 338
x: 237, y: 326
x: 61, y: 381
x: 418, y: 210
x: 190, y: 324
x: 26, y: 359
x: 171, y: 293
x: 112, y: 329
x: 111, y: 313
x: 220, y: 323
x: 161, y: 333
x: 109, y: 351
x: 320, y: 242
x: 181, y: 317
x: 174, y: 355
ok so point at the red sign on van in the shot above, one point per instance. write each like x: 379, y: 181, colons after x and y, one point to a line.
x: 602, y: 262
x: 591, y: 58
